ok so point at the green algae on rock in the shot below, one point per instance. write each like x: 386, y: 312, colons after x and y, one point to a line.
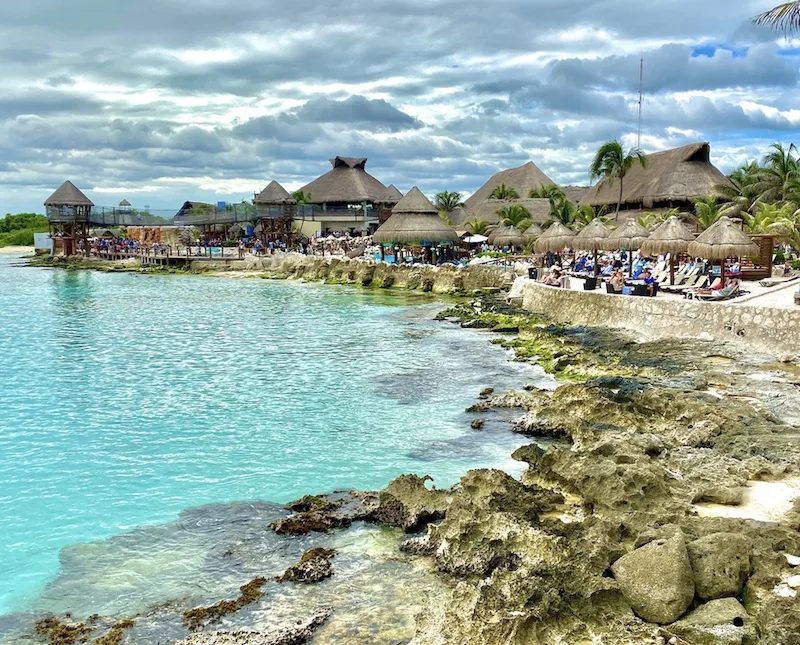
x: 408, y: 504
x: 199, y: 617
x: 62, y: 632
x: 314, y: 566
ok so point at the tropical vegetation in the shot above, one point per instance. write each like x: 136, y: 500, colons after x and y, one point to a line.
x: 301, y: 197
x: 611, y: 162
x: 18, y: 230
x: 447, y: 201
x: 504, y: 192
x: 515, y: 215
x: 478, y: 226
x: 786, y: 16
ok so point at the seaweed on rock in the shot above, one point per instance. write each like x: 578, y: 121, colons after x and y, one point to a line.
x: 199, y: 617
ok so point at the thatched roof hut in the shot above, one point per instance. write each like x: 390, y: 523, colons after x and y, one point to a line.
x: 523, y: 179
x: 124, y: 204
x: 346, y: 183
x: 556, y: 238
x: 532, y: 232
x: 592, y: 238
x: 68, y: 195
x: 724, y: 239
x: 672, y: 177
x: 509, y: 236
x: 274, y: 193
x: 630, y: 236
x: 670, y: 237
x: 415, y: 220
x: 393, y: 195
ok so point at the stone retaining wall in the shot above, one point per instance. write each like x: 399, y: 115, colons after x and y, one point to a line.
x: 768, y: 329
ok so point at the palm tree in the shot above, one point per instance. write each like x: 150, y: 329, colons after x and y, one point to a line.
x: 785, y: 16
x: 707, y: 211
x: 504, y: 192
x: 778, y: 180
x: 612, y: 163
x: 770, y: 219
x: 740, y: 193
x: 562, y: 210
x: 448, y: 201
x: 550, y: 192
x: 650, y: 219
x: 515, y: 215
x: 301, y: 197
x: 478, y: 226
x: 585, y: 215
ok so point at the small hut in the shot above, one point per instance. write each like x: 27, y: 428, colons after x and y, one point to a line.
x: 593, y: 238
x: 671, y: 237
x: 724, y: 239
x: 533, y: 232
x: 629, y: 236
x: 415, y: 222
x: 275, y: 211
x: 125, y: 206
x: 555, y: 239
x: 69, y: 214
x: 507, y: 236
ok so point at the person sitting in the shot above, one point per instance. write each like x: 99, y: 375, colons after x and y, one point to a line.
x: 718, y: 291
x: 650, y: 283
x: 580, y: 264
x: 617, y: 281
x: 787, y: 268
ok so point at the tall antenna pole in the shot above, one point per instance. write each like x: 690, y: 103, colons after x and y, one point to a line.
x: 641, y: 88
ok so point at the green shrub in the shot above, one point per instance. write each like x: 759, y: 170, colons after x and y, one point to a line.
x: 22, y: 237
x: 780, y: 258
x: 795, y: 265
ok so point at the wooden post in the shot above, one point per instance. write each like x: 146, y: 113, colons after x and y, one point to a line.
x: 672, y: 268
x: 596, y: 265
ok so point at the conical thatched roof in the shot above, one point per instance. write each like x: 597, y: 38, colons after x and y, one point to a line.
x: 677, y: 175
x: 592, y: 238
x: 523, y: 179
x: 724, y: 239
x: 393, y: 195
x: 348, y: 181
x: 507, y: 236
x: 532, y: 232
x: 554, y: 239
x: 274, y: 193
x: 124, y: 203
x: 415, y: 220
x: 670, y: 237
x: 68, y: 195
x: 630, y: 235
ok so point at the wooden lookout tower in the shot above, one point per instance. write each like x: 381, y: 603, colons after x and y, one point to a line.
x: 276, y: 211
x: 69, y: 213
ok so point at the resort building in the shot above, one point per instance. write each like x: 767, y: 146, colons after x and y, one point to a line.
x: 671, y: 179
x: 522, y: 181
x: 347, y: 199
x: 69, y: 215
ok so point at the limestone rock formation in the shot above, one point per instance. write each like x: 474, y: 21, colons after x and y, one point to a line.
x: 721, y: 564
x: 657, y: 580
x: 719, y: 622
x: 409, y: 504
x: 314, y: 566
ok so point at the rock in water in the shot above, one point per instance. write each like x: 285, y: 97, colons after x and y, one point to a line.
x: 408, y: 504
x: 719, y: 622
x: 314, y: 566
x: 721, y: 564
x: 657, y: 580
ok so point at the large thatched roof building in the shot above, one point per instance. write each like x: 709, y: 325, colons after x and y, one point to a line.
x: 415, y: 220
x: 671, y: 179
x: 523, y: 179
x: 347, y: 182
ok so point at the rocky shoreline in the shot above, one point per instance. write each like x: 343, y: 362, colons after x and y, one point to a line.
x: 616, y: 532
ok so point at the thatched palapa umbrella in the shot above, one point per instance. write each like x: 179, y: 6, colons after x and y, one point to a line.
x: 554, y: 239
x: 533, y: 232
x: 630, y: 236
x: 671, y: 237
x: 593, y: 238
x: 415, y: 221
x: 507, y: 236
x: 724, y: 239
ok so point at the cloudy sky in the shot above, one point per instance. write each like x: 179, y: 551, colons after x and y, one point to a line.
x: 160, y: 101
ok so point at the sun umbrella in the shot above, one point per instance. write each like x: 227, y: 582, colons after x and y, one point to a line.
x: 670, y: 237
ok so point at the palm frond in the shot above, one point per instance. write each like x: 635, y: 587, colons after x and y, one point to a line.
x: 785, y: 17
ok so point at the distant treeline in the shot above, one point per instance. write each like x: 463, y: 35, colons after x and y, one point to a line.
x: 18, y: 230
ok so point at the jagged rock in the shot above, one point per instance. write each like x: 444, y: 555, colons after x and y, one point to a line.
x: 314, y: 566
x: 322, y: 513
x: 721, y: 564
x: 719, y: 622
x: 656, y: 580
x: 296, y: 634
x: 477, y: 424
x: 408, y: 504
x: 724, y: 496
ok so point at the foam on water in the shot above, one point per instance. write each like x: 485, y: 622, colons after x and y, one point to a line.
x: 129, y: 398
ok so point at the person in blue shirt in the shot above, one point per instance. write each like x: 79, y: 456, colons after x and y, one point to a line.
x: 580, y: 264
x: 650, y: 281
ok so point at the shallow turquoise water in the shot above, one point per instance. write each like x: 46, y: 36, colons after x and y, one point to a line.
x: 128, y: 398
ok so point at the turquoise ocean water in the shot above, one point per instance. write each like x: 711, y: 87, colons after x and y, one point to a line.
x: 128, y: 398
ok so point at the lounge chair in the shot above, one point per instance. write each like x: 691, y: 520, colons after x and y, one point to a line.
x: 691, y: 282
x: 726, y: 293
x: 701, y: 283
